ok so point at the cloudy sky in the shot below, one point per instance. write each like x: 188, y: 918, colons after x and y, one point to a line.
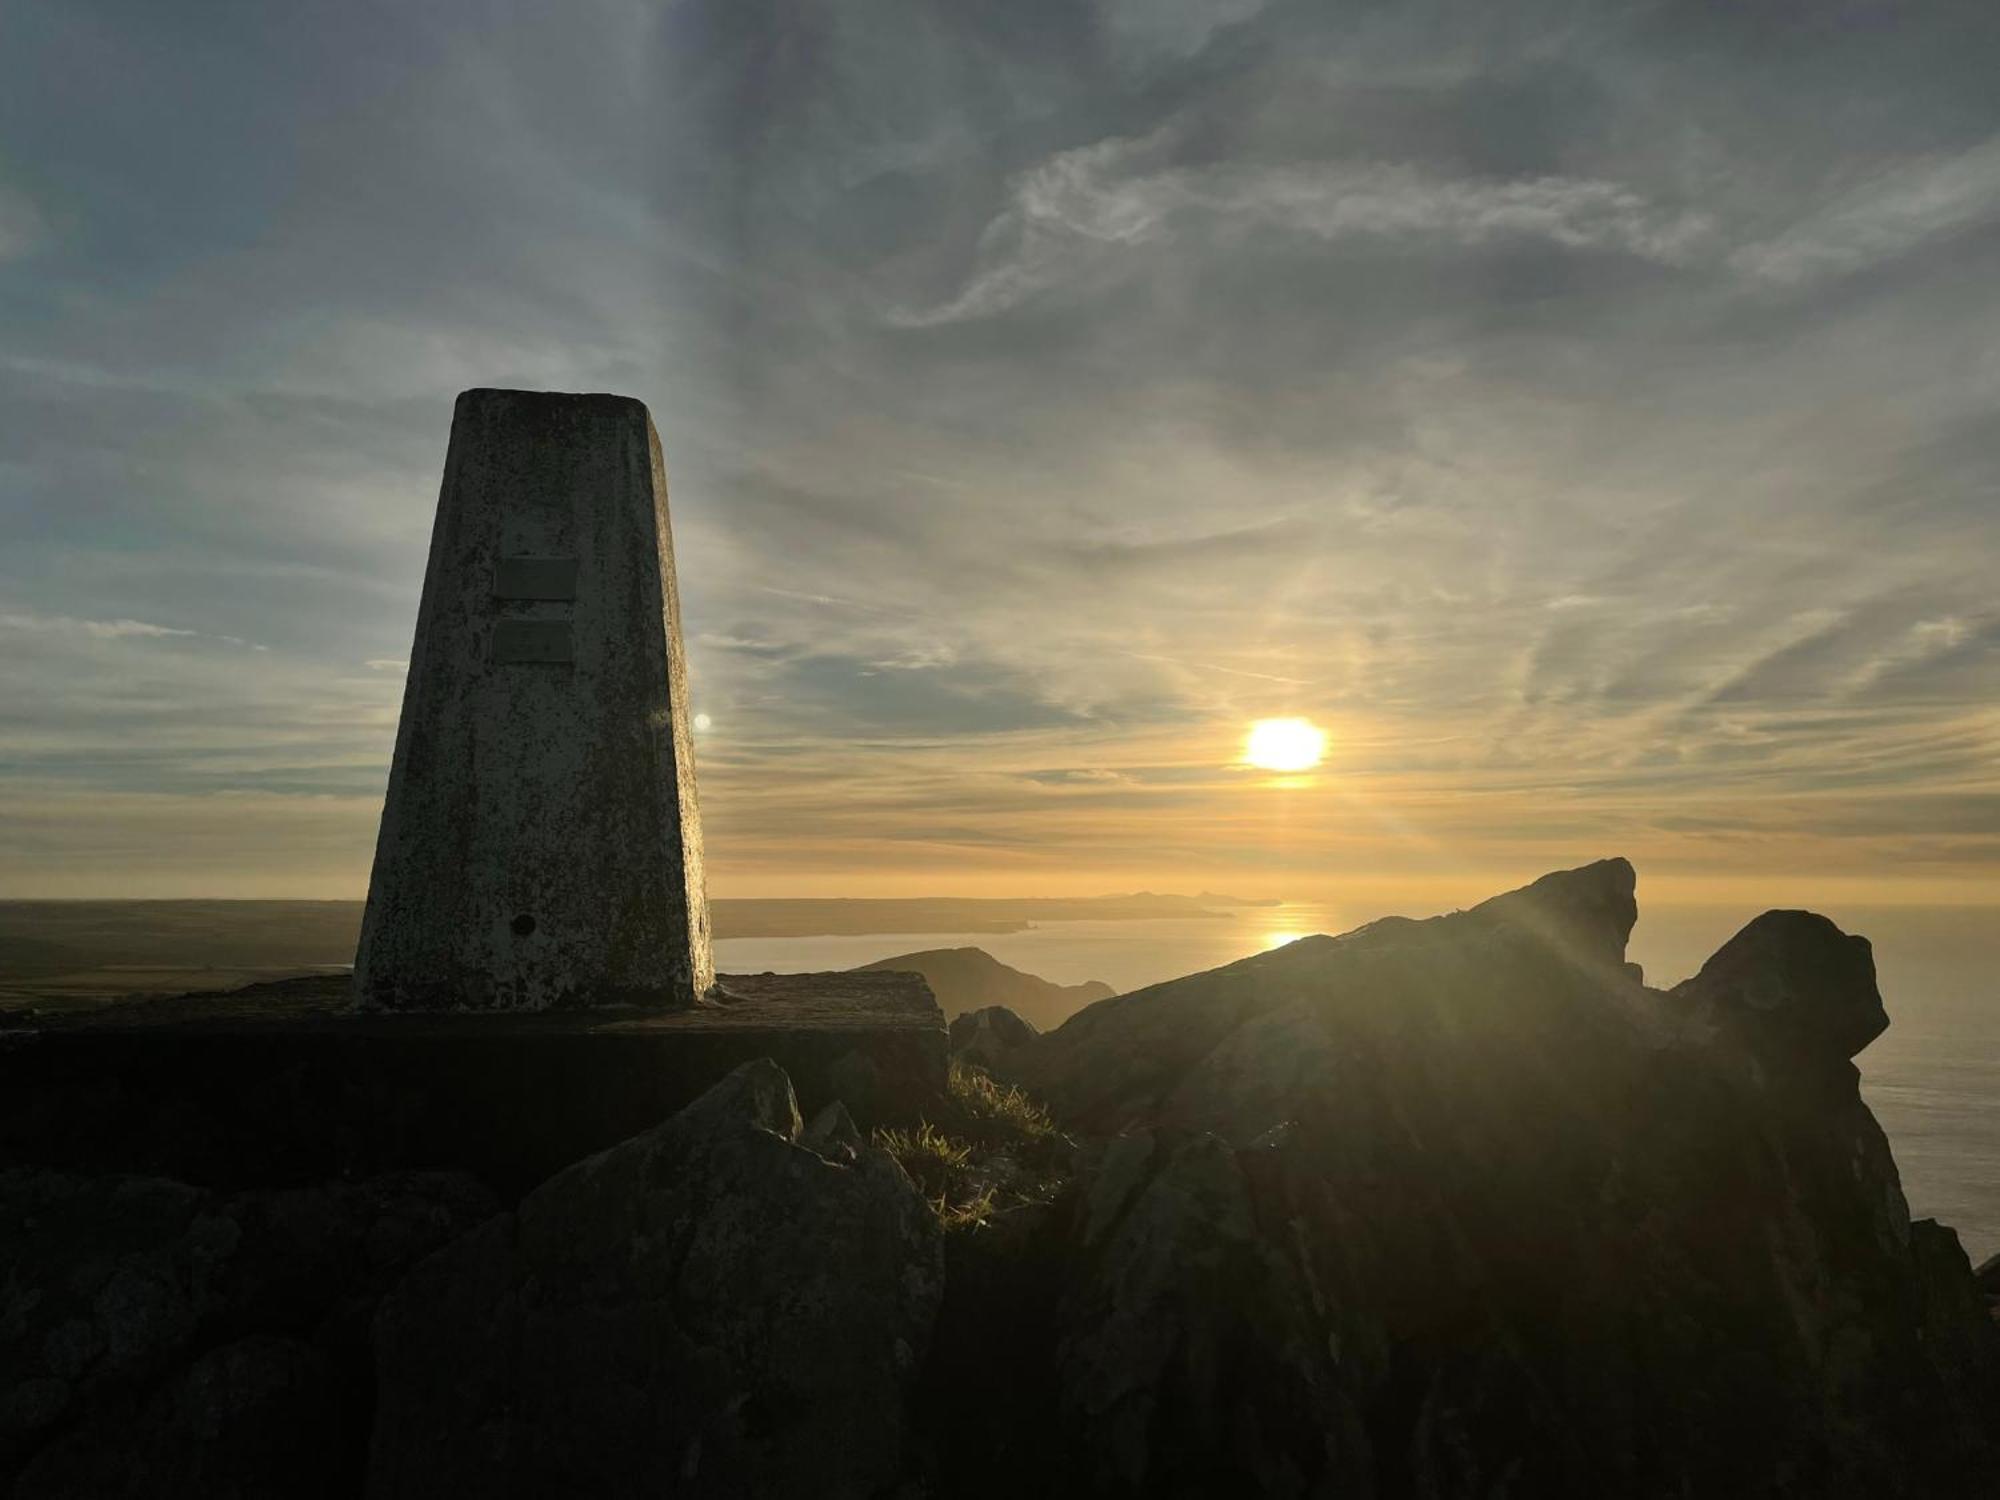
x: 1585, y: 412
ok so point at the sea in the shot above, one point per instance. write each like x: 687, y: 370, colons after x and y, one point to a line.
x: 1933, y: 1079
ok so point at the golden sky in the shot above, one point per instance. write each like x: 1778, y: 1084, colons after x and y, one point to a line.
x: 1588, y: 424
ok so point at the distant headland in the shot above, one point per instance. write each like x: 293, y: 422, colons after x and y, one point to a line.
x: 82, y: 952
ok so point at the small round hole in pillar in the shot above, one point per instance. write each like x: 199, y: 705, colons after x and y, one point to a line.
x: 523, y: 925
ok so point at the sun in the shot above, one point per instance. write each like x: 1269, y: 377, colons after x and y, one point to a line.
x: 1284, y: 745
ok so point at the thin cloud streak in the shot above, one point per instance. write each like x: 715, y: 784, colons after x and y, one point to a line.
x: 1891, y: 214
x: 1102, y: 199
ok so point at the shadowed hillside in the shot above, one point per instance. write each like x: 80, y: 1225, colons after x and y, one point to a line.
x: 968, y: 979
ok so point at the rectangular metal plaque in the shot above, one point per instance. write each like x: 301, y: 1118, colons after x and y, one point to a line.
x: 532, y: 640
x: 534, y: 578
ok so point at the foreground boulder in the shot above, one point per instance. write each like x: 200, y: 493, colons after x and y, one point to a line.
x: 1460, y: 1207
x: 1191, y: 1357
x: 710, y: 1308
x: 161, y: 1339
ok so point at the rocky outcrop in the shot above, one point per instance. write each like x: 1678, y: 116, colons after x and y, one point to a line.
x: 1191, y: 1356
x: 1793, y: 987
x: 159, y: 1339
x: 1178, y: 1054
x: 970, y: 979
x: 1460, y: 1207
x: 989, y: 1037
x: 714, y: 1307
x: 1987, y: 1277
x: 1434, y: 1209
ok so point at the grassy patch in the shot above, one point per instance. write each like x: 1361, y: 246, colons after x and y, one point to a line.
x: 997, y: 1148
x: 936, y: 1163
x: 996, y: 1112
x: 969, y: 1214
x: 942, y: 1169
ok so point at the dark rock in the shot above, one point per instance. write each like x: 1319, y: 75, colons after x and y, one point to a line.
x: 1192, y: 1359
x: 284, y: 1084
x: 1504, y: 1220
x: 1797, y: 984
x: 121, y: 1299
x: 710, y: 1308
x: 1135, y: 1059
x: 254, y: 1418
x: 1987, y: 1277
x: 990, y: 1036
x: 1583, y: 916
x: 1243, y: 1086
x: 834, y: 1135
x: 988, y: 1394
x: 1954, y: 1323
x: 857, y: 1082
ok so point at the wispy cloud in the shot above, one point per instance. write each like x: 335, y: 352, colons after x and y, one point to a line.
x: 35, y: 623
x: 1080, y: 207
x: 102, y: 630
x: 1115, y: 196
x: 1892, y: 211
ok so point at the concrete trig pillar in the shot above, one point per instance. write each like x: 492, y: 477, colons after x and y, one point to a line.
x: 541, y: 845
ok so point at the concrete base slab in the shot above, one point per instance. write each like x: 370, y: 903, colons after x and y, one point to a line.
x: 283, y: 1083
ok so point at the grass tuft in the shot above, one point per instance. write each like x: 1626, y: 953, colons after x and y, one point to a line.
x: 970, y: 1214
x: 1000, y: 1149
x: 997, y: 1113
x: 941, y: 1167
x: 936, y: 1163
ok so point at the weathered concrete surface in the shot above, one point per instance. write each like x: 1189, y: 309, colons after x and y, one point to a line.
x: 540, y: 846
x: 283, y: 1083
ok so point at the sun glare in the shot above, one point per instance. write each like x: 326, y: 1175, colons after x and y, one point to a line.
x: 1284, y: 744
